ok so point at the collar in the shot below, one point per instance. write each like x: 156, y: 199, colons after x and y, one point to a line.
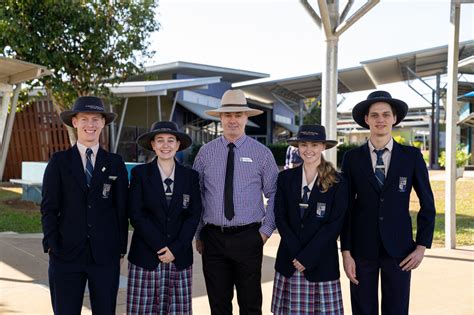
x: 310, y: 185
x: 82, y: 148
x: 237, y: 143
x: 388, y: 146
x: 163, y: 175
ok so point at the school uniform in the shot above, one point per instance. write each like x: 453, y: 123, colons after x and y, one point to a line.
x: 310, y: 236
x: 378, y: 227
x: 85, y: 228
x: 155, y: 287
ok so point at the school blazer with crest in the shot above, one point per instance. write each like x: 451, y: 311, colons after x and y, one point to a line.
x: 73, y: 214
x: 157, y: 225
x: 379, y: 216
x: 312, y: 240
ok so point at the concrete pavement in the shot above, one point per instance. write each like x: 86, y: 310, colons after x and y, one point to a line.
x: 444, y: 283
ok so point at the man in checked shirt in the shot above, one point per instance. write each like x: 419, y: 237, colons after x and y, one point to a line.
x: 235, y: 170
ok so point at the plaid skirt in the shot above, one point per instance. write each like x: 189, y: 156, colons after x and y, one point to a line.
x: 296, y: 295
x: 164, y: 290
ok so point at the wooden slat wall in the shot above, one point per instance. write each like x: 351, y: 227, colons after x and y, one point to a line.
x: 37, y: 133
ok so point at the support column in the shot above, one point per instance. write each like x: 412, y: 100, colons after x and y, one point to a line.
x: 451, y: 119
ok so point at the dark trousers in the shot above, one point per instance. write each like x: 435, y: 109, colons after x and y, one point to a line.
x: 233, y: 258
x: 67, y: 282
x: 395, y: 286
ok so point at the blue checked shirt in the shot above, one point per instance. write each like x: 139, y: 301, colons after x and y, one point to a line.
x: 255, y: 172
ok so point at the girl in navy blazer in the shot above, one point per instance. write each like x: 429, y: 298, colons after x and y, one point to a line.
x: 310, y: 204
x: 164, y: 210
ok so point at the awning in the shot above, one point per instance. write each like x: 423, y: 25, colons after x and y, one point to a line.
x: 468, y: 121
x: 200, y: 110
x: 292, y: 128
x: 13, y: 71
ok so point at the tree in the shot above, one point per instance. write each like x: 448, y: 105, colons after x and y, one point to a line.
x: 313, y: 116
x: 85, y: 43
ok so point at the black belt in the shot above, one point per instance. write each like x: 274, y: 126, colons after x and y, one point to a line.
x: 233, y: 229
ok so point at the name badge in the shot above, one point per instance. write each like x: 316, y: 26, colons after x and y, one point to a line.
x: 402, y: 184
x: 186, y: 199
x: 246, y: 160
x: 320, y: 209
x: 106, y: 190
x: 112, y: 177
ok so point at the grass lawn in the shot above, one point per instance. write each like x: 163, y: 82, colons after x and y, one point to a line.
x: 464, y: 212
x: 24, y: 217
x: 17, y: 215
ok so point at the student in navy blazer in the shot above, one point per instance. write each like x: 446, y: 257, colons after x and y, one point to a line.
x: 377, y: 236
x: 83, y: 213
x: 164, y: 209
x: 307, y: 267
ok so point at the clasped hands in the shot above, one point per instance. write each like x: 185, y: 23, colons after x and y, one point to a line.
x: 165, y: 255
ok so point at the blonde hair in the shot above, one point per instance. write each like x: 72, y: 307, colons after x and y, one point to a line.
x: 327, y: 175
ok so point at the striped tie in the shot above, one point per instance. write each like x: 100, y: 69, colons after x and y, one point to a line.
x: 168, y: 191
x: 89, y: 167
x: 380, y: 167
x: 304, y: 200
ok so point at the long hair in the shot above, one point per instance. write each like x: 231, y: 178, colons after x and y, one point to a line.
x: 327, y: 175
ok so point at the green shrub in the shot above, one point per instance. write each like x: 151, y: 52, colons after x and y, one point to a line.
x: 342, y: 149
x: 279, y: 152
x: 462, y: 157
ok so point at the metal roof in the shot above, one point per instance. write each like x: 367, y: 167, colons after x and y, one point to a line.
x: 421, y: 63
x: 466, y: 65
x: 160, y: 87
x: 200, y: 70
x: 397, y: 68
x: 13, y: 71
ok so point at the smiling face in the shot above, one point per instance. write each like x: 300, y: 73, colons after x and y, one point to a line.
x: 380, y: 119
x: 165, y: 146
x: 233, y: 125
x: 89, y: 126
x: 311, y: 151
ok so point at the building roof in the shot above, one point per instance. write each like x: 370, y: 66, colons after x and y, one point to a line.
x: 201, y: 70
x: 13, y: 71
x: 160, y: 87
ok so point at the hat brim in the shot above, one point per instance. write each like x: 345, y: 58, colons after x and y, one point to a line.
x: 359, y: 111
x: 145, y: 139
x: 295, y: 141
x: 66, y: 116
x: 234, y: 109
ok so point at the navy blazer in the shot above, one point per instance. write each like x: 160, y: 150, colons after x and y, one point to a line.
x: 381, y: 215
x: 312, y: 240
x: 157, y: 225
x: 72, y: 213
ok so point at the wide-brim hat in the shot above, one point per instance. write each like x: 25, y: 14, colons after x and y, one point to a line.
x: 312, y: 133
x: 158, y: 127
x: 234, y: 101
x: 361, y: 109
x: 87, y: 104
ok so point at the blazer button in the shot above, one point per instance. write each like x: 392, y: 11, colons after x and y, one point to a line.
x: 382, y: 200
x: 88, y: 236
x: 168, y: 236
x: 89, y: 206
x: 168, y: 219
x: 89, y: 225
x: 302, y: 225
x: 381, y: 218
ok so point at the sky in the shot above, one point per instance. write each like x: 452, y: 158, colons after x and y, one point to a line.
x: 278, y: 37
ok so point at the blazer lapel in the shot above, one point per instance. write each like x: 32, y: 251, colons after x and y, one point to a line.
x: 100, y: 168
x: 395, y: 164
x: 177, y: 187
x: 77, y: 168
x: 156, y: 182
x: 366, y: 165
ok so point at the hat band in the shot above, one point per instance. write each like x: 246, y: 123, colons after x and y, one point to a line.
x: 94, y: 107
x: 234, y: 105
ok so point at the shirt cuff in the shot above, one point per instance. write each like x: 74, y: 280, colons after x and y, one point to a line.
x: 266, y: 230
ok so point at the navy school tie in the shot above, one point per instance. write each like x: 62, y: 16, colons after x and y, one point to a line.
x: 89, y: 167
x: 380, y: 167
x: 229, y: 184
x: 168, y: 191
x: 304, y: 200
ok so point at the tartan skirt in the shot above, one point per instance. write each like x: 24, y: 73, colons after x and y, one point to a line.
x: 164, y: 290
x: 296, y: 295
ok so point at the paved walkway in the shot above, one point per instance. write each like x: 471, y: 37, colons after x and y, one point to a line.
x: 443, y: 284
